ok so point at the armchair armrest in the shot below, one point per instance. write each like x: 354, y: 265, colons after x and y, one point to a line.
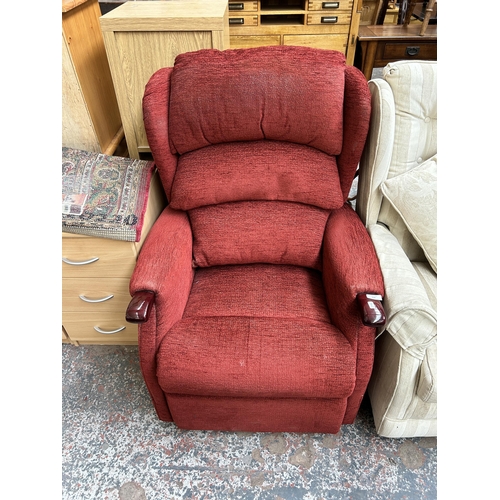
x: 350, y: 270
x: 411, y: 319
x: 164, y: 269
x: 140, y: 307
x: 160, y: 286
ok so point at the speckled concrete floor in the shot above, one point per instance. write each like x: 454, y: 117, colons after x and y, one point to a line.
x: 114, y: 447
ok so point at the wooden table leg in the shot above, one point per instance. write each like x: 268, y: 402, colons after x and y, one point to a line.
x: 428, y: 12
x: 382, y: 12
x: 369, y: 50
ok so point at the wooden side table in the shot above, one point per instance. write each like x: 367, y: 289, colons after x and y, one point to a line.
x: 96, y: 267
x: 382, y: 44
x: 142, y: 37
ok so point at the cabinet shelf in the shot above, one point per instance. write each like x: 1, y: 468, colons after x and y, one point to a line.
x: 282, y: 19
x: 282, y: 5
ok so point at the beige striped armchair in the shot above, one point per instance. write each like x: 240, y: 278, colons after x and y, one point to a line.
x: 396, y: 199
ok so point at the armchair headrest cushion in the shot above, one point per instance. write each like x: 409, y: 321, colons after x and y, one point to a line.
x: 414, y: 87
x: 282, y: 93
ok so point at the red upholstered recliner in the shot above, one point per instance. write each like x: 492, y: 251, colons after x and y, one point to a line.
x: 254, y: 285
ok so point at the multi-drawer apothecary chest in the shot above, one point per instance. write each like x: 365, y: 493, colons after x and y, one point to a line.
x: 313, y: 23
x: 95, y: 285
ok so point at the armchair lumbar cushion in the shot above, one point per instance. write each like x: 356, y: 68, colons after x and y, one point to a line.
x: 248, y: 287
x: 397, y: 195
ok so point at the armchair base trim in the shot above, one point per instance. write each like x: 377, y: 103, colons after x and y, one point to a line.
x: 257, y: 414
x: 398, y: 411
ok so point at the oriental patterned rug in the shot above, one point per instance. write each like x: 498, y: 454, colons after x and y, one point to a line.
x: 104, y: 196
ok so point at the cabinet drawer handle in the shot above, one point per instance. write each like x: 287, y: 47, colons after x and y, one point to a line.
x: 329, y: 20
x: 236, y: 20
x: 108, y: 332
x: 95, y: 301
x: 79, y: 263
x: 236, y: 6
x: 412, y: 51
x: 330, y: 5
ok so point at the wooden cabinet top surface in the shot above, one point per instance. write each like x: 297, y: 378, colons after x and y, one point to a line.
x: 176, y: 15
x: 395, y: 32
x: 68, y: 5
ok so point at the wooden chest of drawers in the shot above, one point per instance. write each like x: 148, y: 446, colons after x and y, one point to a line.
x: 381, y: 44
x: 312, y: 23
x: 96, y: 274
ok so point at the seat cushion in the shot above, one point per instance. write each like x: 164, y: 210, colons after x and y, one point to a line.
x: 256, y: 170
x: 234, y: 341
x: 282, y: 93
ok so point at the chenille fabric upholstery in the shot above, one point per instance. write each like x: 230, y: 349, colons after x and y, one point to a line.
x: 397, y: 193
x: 257, y: 260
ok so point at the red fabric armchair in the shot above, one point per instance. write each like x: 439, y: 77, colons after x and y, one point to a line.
x: 257, y: 291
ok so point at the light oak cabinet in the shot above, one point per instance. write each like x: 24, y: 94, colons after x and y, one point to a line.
x: 142, y: 37
x: 90, y: 115
x: 312, y: 23
x: 95, y: 285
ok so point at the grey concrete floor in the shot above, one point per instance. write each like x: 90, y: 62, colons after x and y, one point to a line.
x: 114, y: 447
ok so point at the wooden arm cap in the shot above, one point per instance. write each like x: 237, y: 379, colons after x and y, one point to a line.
x: 140, y: 306
x: 372, y: 311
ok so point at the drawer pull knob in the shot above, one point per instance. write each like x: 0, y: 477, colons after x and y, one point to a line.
x: 95, y: 301
x: 236, y: 20
x: 236, y: 6
x: 79, y: 263
x: 108, y: 332
x: 412, y: 51
x: 330, y: 5
x: 329, y: 20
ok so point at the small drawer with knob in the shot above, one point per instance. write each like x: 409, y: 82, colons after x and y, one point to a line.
x: 329, y: 6
x: 244, y: 6
x: 95, y: 296
x: 105, y: 328
x: 404, y: 50
x: 243, y: 20
x: 341, y: 17
x: 87, y: 256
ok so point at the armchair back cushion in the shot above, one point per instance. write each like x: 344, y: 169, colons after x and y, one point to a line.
x: 259, y: 136
x: 263, y: 97
x: 415, y: 134
x: 256, y: 170
x: 249, y: 232
x: 415, y: 140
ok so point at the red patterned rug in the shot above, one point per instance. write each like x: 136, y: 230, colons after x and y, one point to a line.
x: 104, y: 196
